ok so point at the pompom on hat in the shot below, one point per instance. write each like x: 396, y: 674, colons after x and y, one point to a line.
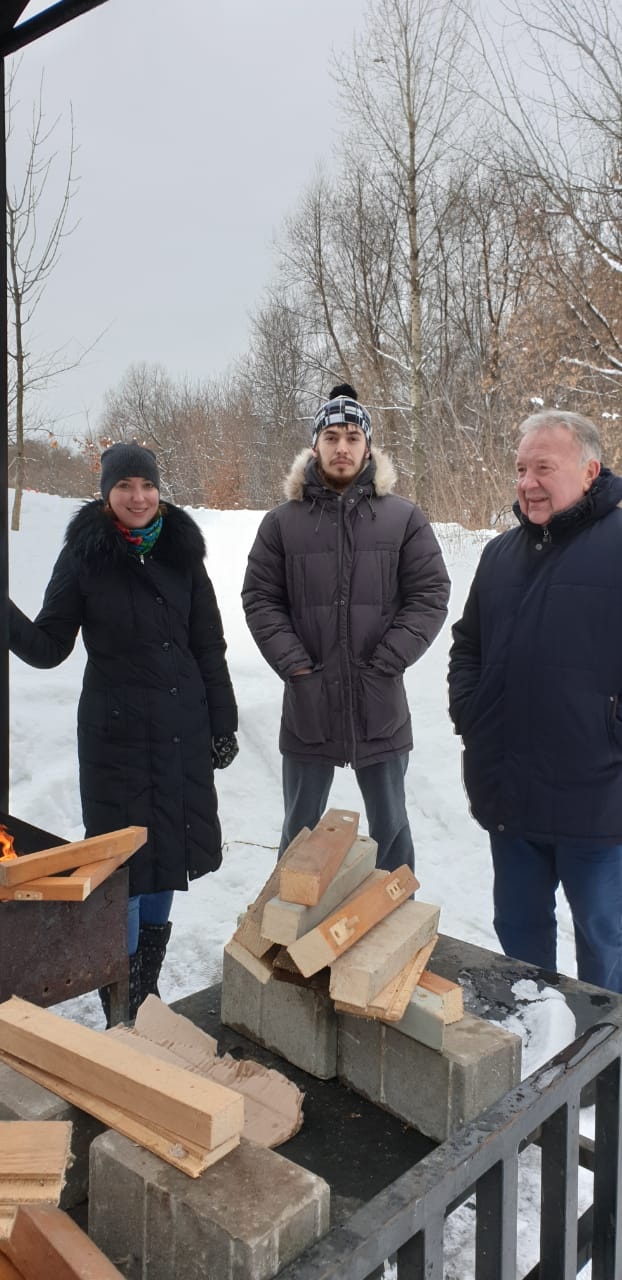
x: 342, y: 407
x: 123, y: 460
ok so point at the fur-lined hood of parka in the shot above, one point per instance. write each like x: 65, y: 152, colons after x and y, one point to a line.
x: 94, y: 539
x: 379, y: 474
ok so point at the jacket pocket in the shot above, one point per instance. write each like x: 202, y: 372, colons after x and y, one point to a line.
x: 382, y: 703
x: 305, y: 712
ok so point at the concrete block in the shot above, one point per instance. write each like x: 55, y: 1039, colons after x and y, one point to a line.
x: 297, y: 1022
x: 243, y: 1219
x: 301, y: 1025
x: 437, y: 1093
x: 22, y: 1099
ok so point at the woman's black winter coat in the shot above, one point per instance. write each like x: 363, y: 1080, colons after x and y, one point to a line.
x: 535, y: 677
x: 156, y: 688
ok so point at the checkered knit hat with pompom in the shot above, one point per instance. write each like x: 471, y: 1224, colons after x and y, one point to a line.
x: 342, y: 407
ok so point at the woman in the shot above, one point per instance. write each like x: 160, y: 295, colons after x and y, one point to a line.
x: 157, y: 711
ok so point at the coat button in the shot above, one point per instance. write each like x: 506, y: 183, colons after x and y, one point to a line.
x: 538, y: 546
x: 175, y: 739
x: 173, y: 693
x: 501, y: 827
x: 166, y: 644
x: 159, y: 600
x: 116, y: 713
x: 350, y: 500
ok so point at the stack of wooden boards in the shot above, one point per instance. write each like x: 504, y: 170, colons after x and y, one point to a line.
x: 37, y: 1240
x: 328, y: 918
x: 189, y: 1121
x: 36, y: 877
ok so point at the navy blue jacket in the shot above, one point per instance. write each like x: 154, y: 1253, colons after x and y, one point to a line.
x: 535, y: 678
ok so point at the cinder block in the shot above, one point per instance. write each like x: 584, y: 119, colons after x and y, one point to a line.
x: 243, y: 1219
x: 437, y: 1093
x: 22, y: 1099
x: 297, y: 1022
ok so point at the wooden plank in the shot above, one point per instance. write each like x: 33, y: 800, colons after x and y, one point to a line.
x: 363, y: 972
x: 7, y: 1218
x: 73, y: 888
x: 66, y: 856
x: 448, y: 998
x: 45, y: 1244
x: 382, y: 893
x: 284, y: 922
x: 188, y: 1156
x: 33, y: 1159
x: 390, y: 1003
x: 305, y: 876
x: 248, y: 933
x: 8, y: 1271
x: 193, y: 1108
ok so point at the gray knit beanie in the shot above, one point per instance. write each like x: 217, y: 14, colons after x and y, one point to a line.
x: 123, y: 460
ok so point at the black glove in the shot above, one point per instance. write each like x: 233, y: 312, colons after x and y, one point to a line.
x: 224, y: 750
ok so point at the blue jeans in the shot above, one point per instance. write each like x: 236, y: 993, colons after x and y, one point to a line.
x: 527, y: 875
x: 146, y: 908
x: 306, y: 785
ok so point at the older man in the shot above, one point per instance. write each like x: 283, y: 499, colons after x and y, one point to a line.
x: 535, y: 682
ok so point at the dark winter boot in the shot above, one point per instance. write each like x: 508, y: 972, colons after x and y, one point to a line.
x: 137, y: 994
x: 152, y: 944
x: 135, y: 989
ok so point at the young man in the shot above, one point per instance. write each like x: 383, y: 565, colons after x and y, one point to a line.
x: 345, y: 588
x: 535, y: 681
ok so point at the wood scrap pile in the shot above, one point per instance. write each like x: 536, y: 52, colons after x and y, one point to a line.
x: 272, y: 1103
x: 327, y: 918
x: 37, y: 877
x: 189, y: 1121
x: 37, y: 1240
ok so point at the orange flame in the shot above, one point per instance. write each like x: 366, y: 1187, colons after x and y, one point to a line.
x: 7, y: 847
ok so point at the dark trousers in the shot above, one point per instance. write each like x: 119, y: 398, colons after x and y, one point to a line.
x: 306, y: 785
x: 527, y: 875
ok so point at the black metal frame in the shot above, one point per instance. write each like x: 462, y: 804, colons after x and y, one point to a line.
x: 406, y: 1221
x: 14, y: 37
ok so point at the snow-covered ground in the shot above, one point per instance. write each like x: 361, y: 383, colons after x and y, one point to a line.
x: 451, y: 849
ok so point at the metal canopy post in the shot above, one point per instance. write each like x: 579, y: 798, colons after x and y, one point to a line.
x: 14, y: 37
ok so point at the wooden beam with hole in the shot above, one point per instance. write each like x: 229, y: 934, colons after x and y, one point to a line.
x: 30, y: 866
x: 33, y: 1158
x: 306, y: 876
x: 45, y: 1244
x: 248, y: 933
x: 284, y: 922
x: 190, y: 1157
x: 194, y: 1109
x: 382, y: 893
x: 357, y: 977
x: 76, y: 887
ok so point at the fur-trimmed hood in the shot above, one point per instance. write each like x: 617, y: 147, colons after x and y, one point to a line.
x: 92, y: 537
x: 379, y: 475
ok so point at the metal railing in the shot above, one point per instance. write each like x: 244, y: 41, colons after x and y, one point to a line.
x: 406, y: 1221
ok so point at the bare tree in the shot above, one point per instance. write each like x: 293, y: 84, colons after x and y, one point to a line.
x: 36, y: 229
x: 561, y: 112
x: 401, y: 90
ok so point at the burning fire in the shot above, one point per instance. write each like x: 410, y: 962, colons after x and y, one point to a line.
x: 7, y: 848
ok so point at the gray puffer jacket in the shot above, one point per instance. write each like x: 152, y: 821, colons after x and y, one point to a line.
x: 353, y: 586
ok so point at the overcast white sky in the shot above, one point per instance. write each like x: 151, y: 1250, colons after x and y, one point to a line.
x: 199, y: 125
